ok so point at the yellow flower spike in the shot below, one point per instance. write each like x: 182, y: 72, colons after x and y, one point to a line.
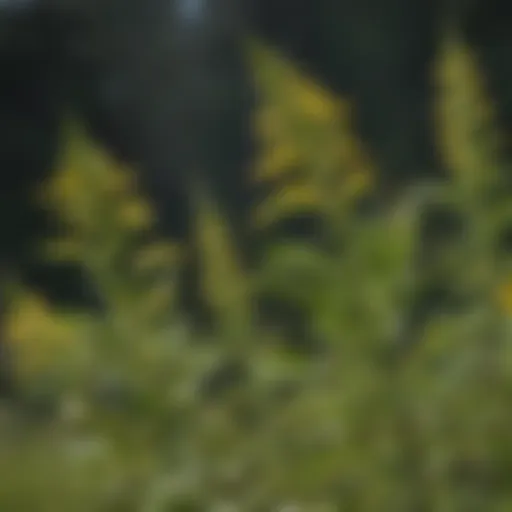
x: 120, y: 180
x: 136, y: 214
x: 268, y: 123
x: 39, y: 334
x: 299, y: 195
x: 276, y: 161
x: 292, y: 199
x: 30, y: 308
x: 63, y: 187
x: 316, y: 103
x: 33, y: 317
x: 504, y: 297
x: 357, y: 183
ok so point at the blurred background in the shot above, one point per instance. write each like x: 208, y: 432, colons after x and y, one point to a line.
x: 125, y: 410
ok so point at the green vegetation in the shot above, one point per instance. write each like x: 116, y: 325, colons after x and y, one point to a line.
x: 354, y: 431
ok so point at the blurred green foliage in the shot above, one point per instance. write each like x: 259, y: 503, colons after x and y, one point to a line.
x: 131, y: 426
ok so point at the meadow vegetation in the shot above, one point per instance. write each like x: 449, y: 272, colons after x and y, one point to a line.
x: 122, y: 417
